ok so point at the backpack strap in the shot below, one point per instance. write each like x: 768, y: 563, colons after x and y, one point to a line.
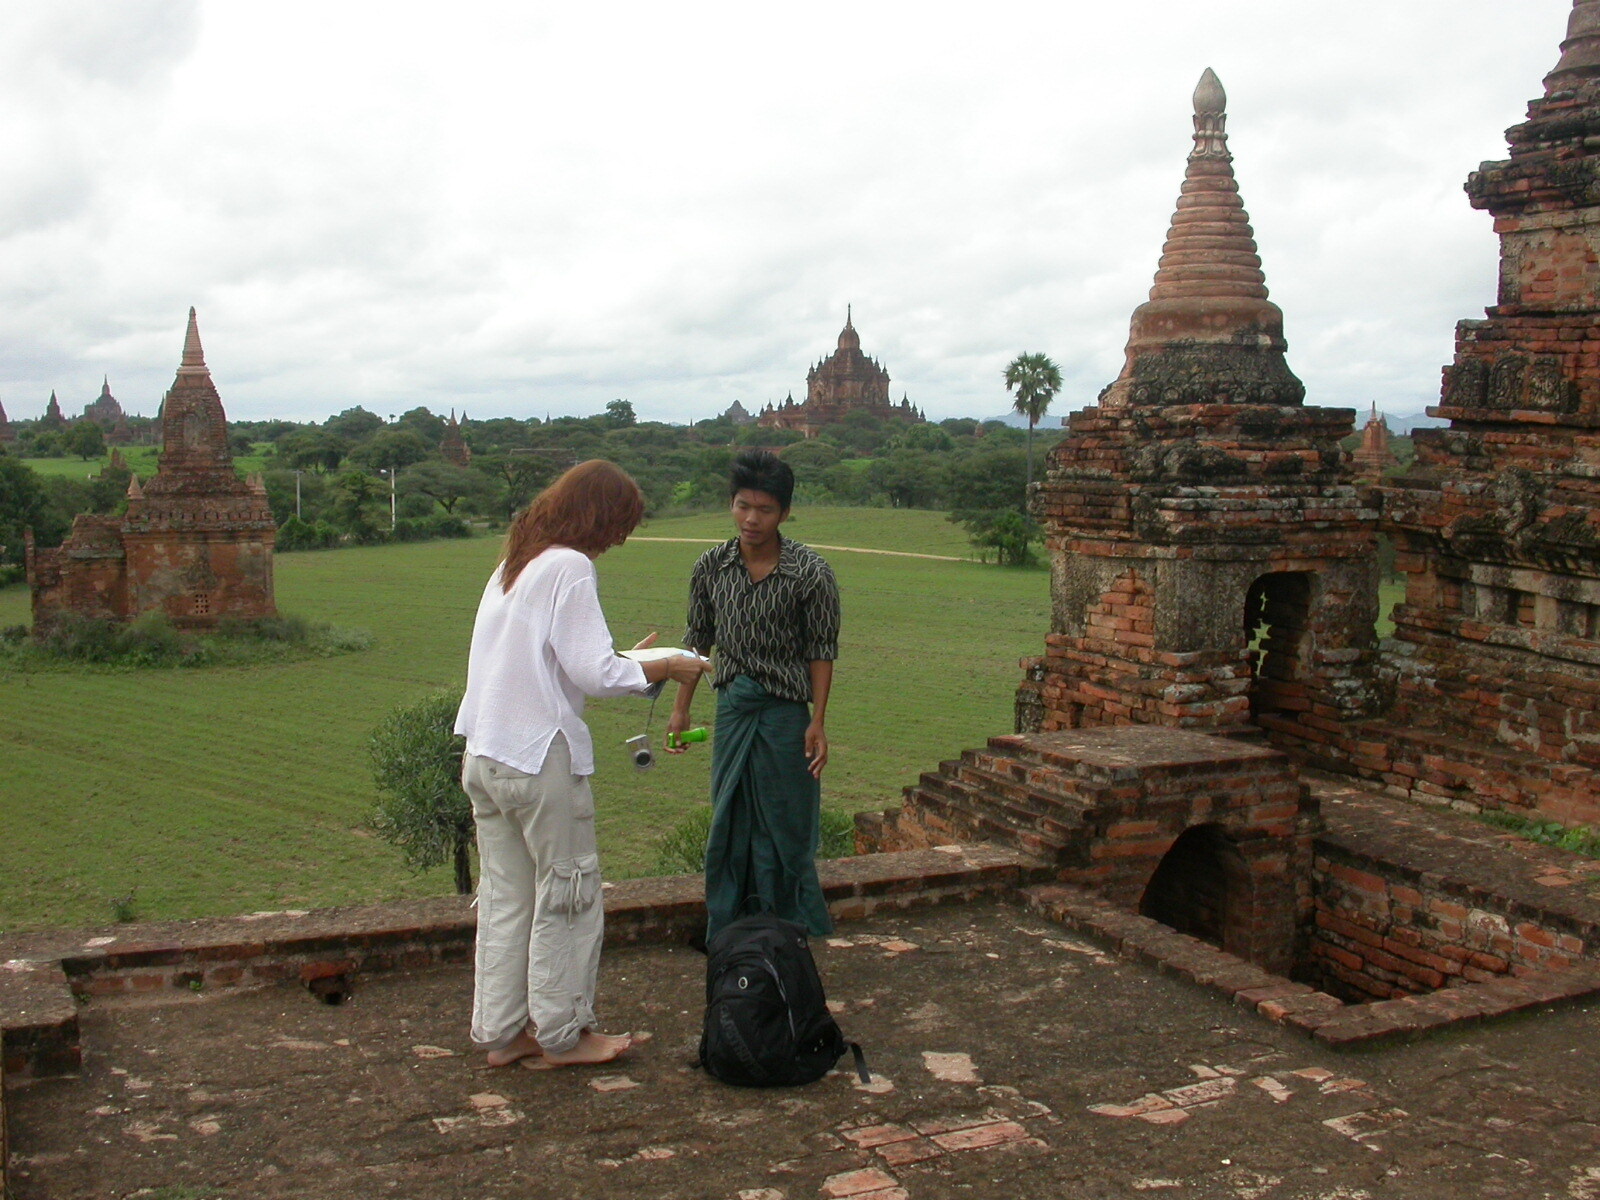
x: 861, y: 1062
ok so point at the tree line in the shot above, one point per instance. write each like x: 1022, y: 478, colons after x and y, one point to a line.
x: 330, y: 482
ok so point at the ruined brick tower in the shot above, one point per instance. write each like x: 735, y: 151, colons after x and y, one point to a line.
x: 453, y: 447
x: 1497, y: 523
x: 196, y: 541
x: 1213, y: 561
x: 7, y: 434
x: 1374, y: 455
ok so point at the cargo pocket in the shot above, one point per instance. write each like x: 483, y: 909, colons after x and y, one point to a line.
x: 573, y: 885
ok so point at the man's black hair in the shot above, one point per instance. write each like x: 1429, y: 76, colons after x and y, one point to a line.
x: 762, y: 471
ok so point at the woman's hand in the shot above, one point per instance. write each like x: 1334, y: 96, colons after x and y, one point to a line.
x: 649, y: 640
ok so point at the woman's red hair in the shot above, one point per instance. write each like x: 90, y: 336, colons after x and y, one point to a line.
x: 592, y: 507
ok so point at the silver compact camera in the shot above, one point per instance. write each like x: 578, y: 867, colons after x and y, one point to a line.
x: 639, y: 751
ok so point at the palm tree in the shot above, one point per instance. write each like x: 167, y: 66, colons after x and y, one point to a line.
x: 1036, y: 380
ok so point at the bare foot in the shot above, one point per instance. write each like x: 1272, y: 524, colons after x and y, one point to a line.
x: 521, y: 1046
x: 592, y: 1048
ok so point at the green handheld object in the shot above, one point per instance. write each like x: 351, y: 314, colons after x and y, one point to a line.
x: 697, y: 734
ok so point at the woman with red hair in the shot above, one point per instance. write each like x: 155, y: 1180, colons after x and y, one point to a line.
x: 540, y: 647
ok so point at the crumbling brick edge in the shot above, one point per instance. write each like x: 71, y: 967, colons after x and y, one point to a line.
x: 1325, y: 1018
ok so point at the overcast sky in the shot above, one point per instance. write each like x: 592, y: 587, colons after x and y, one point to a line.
x: 527, y: 207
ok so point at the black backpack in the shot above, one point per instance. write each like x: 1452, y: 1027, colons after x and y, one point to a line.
x: 767, y: 1020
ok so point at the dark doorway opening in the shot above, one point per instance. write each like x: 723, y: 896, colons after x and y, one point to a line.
x: 1199, y: 887
x: 1277, y: 619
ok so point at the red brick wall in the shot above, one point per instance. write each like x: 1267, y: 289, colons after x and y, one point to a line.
x: 1381, y: 933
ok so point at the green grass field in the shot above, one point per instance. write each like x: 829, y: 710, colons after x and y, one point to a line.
x: 141, y: 461
x: 231, y: 790
x: 913, y: 530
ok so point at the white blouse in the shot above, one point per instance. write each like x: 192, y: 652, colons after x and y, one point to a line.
x: 537, y: 652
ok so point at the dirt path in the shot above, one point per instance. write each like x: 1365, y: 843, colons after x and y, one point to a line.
x: 815, y: 546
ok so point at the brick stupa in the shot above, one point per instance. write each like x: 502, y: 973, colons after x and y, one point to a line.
x: 1212, y: 560
x: 7, y: 433
x: 196, y: 541
x: 1497, y: 522
x: 1374, y: 455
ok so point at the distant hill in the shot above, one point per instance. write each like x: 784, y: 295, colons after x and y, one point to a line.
x: 1399, y: 423
x: 1051, y: 419
x: 1404, y: 423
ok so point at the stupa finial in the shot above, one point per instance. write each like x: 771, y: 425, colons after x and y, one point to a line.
x: 1210, y: 118
x: 194, y: 359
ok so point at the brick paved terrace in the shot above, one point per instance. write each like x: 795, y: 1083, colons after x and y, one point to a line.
x: 1013, y: 1055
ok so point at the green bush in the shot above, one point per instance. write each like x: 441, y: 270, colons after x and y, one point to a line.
x: 682, y: 849
x: 151, y: 640
x: 416, y: 764
x: 422, y: 529
x: 295, y: 534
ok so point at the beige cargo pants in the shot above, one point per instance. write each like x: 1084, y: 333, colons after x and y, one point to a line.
x: 540, y: 916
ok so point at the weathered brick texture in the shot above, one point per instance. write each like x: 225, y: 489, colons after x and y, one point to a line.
x: 196, y: 541
x: 1151, y: 818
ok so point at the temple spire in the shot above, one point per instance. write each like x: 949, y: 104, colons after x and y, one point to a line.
x: 1208, y: 302
x: 194, y: 359
x: 1210, y: 248
x: 849, y: 339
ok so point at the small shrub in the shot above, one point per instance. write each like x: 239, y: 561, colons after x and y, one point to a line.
x: 122, y: 909
x: 416, y: 764
x: 838, y: 834
x: 682, y: 849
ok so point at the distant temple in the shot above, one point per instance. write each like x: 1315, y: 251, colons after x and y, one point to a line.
x: 1374, y: 456
x: 453, y: 448
x: 196, y: 542
x: 107, y: 413
x: 845, y: 382
x: 739, y: 415
x: 7, y: 434
x: 52, y: 418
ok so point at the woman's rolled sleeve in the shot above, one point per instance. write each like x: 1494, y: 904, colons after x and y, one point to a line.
x: 582, y: 645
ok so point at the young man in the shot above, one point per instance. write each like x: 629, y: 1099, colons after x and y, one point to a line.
x: 770, y: 607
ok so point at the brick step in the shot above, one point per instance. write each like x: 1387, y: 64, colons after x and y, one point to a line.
x: 980, y: 825
x: 1054, y: 803
x: 1062, y: 823
x: 1092, y: 779
x: 1001, y: 820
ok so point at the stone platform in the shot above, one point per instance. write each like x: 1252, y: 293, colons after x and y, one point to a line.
x: 1010, y: 1059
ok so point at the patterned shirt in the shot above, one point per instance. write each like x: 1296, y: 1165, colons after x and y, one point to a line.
x: 771, y: 630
